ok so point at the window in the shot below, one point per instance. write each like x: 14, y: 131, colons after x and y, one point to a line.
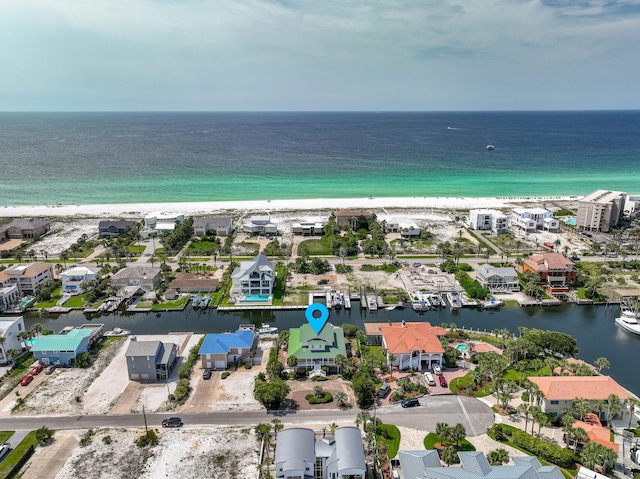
x: 555, y: 402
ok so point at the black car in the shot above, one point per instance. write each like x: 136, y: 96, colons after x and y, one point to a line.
x: 411, y: 402
x: 206, y: 374
x: 384, y: 391
x: 323, y: 281
x: 172, y: 422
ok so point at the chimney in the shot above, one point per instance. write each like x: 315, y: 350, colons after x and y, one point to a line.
x: 404, y: 324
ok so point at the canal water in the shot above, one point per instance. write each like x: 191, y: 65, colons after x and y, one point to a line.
x: 592, y: 326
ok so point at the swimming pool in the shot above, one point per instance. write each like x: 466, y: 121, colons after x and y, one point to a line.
x: 461, y: 347
x: 257, y: 298
x: 571, y: 221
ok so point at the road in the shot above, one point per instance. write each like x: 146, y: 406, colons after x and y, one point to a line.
x: 473, y: 414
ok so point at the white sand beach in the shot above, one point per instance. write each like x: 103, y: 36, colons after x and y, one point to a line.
x: 213, y: 207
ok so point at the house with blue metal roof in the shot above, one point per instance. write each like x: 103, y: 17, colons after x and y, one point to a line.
x: 218, y: 351
x: 62, y: 349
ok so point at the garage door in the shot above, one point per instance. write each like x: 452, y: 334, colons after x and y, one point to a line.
x: 207, y: 365
x: 135, y: 376
x: 220, y: 365
x: 144, y: 377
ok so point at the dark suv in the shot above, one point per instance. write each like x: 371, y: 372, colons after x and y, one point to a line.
x: 384, y: 391
x: 172, y: 422
x: 206, y: 374
x: 411, y: 402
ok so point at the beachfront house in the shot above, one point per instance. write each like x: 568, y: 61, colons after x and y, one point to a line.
x: 220, y: 226
x: 601, y: 210
x: 488, y: 220
x: 498, y: 280
x: 403, y: 225
x: 300, y: 455
x: 27, y: 277
x: 75, y: 278
x: 10, y: 327
x: 309, y: 228
x: 351, y: 218
x: 24, y: 228
x: 556, y: 272
x: 253, y: 281
x: 109, y: 228
x: 9, y: 297
x: 62, y: 349
x: 260, y: 224
x: 558, y: 392
x: 425, y: 464
x: 219, y: 351
x: 161, y: 222
x: 145, y: 277
x: 314, y: 350
x: 532, y: 219
x: 150, y: 361
x: 414, y: 345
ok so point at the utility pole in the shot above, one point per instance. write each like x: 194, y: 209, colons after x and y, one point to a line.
x: 146, y: 429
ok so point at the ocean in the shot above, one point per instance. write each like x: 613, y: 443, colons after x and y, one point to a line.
x: 94, y: 158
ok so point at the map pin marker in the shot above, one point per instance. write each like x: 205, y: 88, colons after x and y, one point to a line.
x: 317, y: 323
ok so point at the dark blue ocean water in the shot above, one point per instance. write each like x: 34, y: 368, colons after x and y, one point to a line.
x: 86, y: 158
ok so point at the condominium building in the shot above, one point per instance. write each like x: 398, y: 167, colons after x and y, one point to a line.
x: 488, y: 220
x: 531, y: 219
x: 601, y: 210
x: 26, y: 276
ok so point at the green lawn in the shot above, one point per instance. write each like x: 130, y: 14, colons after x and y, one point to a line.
x: 204, y: 247
x: 461, y: 383
x: 75, y: 301
x: 318, y: 246
x: 178, y: 303
x: 392, y: 441
x: 14, y: 456
x: 432, y: 439
x: 135, y: 249
x: 55, y: 297
x: 5, y: 435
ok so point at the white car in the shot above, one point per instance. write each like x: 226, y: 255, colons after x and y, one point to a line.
x: 437, y: 370
x: 4, y: 450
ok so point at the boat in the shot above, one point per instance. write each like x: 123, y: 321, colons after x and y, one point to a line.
x: 435, y: 300
x: 204, y: 302
x: 490, y: 147
x: 628, y: 320
x: 195, y: 302
x: 492, y: 303
x: 267, y: 330
x: 118, y: 332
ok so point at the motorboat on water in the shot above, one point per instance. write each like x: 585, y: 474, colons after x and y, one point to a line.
x: 492, y: 303
x: 628, y: 320
x: 490, y: 147
x: 118, y: 332
x: 267, y: 330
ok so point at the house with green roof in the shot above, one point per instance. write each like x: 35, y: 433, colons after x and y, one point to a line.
x: 62, y: 349
x: 316, y: 350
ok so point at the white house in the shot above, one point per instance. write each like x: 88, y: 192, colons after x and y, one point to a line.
x: 10, y: 327
x: 403, y: 225
x: 260, y: 224
x: 532, y: 219
x: 308, y: 228
x: 221, y: 226
x: 9, y: 296
x: 161, y: 221
x: 254, y: 279
x: 497, y: 280
x: 488, y: 220
x: 28, y: 277
x: 74, y: 277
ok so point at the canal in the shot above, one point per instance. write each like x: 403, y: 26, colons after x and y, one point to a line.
x: 592, y: 326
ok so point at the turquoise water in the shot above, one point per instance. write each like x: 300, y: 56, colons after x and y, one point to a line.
x: 261, y: 298
x: 461, y: 347
x: 571, y: 221
x: 91, y: 158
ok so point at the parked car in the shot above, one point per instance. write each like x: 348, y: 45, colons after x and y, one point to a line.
x: 612, y: 255
x: 437, y: 370
x: 323, y: 281
x: 50, y: 369
x: 36, y: 370
x: 411, y: 402
x: 384, y: 391
x: 206, y: 374
x: 26, y: 380
x: 172, y: 422
x: 443, y: 381
x: 4, y: 450
x: 429, y: 378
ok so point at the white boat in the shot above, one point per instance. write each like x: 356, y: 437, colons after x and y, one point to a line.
x: 629, y: 320
x: 492, y: 303
x: 267, y: 330
x: 118, y: 332
x: 490, y: 147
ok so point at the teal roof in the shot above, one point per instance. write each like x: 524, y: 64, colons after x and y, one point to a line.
x: 62, y: 342
x: 304, y: 337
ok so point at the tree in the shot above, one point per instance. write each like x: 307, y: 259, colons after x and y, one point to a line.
x: 83, y: 360
x: 262, y: 430
x: 271, y: 394
x: 498, y: 457
x: 581, y: 407
x: 599, y: 405
x: 292, y: 361
x: 318, y: 391
x: 525, y: 410
x: 12, y: 354
x: 341, y: 399
x: 632, y: 404
x: 593, y: 454
x: 458, y: 434
x: 392, y: 359
x: 362, y: 418
x: 615, y: 406
x: 363, y: 387
x: 450, y: 456
x: 43, y: 435
x: 579, y: 435
x: 543, y: 420
x: 332, y: 427
x: 602, y: 363
x: 277, y: 426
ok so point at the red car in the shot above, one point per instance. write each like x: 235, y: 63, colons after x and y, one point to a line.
x: 26, y: 380
x: 443, y: 381
x: 36, y: 370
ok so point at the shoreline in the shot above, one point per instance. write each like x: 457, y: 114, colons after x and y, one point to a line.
x: 217, y: 207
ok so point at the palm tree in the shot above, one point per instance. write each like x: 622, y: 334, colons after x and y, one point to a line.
x: 332, y: 427
x: 632, y: 404
x: 557, y: 243
x: 64, y: 256
x: 599, y: 405
x: 579, y: 435
x: 602, y: 363
x: 292, y: 361
x: 12, y: 353
x: 37, y: 329
x: 362, y: 418
x: 615, y: 406
x: 391, y: 358
x: 543, y: 421
x: 525, y: 410
x: 277, y: 426
x: 581, y: 407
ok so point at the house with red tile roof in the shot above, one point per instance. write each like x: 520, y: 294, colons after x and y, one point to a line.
x: 560, y: 391
x: 414, y: 345
x: 556, y: 272
x: 597, y: 432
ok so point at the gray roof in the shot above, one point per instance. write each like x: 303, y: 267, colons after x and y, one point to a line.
x: 212, y: 221
x: 295, y: 447
x: 414, y: 463
x: 143, y: 348
x: 325, y: 447
x: 120, y: 224
x: 25, y: 223
x: 260, y: 263
x: 488, y: 270
x: 137, y: 272
x: 166, y: 356
x: 349, y: 452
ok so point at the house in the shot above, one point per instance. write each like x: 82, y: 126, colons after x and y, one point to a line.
x: 316, y: 350
x: 10, y: 327
x: 498, y: 280
x: 559, y: 392
x: 24, y: 228
x: 146, y: 277
x: 26, y: 276
x: 488, y: 220
x: 193, y: 283
x: 73, y: 278
x: 62, y: 349
x: 160, y: 222
x: 260, y: 224
x: 253, y: 280
x: 220, y: 226
x: 349, y: 218
x: 109, y: 228
x: 596, y: 432
x: 150, y: 360
x: 299, y: 455
x: 414, y: 345
x: 532, y: 219
x: 219, y: 351
x: 425, y: 464
x: 309, y: 228
x: 9, y: 296
x: 556, y: 272
x: 403, y: 225
x: 601, y: 210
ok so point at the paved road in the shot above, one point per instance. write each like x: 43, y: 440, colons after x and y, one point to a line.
x: 473, y: 414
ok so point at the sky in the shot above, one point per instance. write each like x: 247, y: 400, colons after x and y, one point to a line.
x: 319, y: 55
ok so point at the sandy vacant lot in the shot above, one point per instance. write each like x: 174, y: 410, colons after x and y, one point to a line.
x: 223, y: 453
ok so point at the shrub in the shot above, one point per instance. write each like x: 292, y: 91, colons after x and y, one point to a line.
x: 247, y: 366
x: 43, y: 435
x: 225, y: 375
x: 86, y: 439
x: 106, y: 439
x: 148, y: 439
x: 326, y: 397
x: 319, y: 378
x: 538, y: 447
